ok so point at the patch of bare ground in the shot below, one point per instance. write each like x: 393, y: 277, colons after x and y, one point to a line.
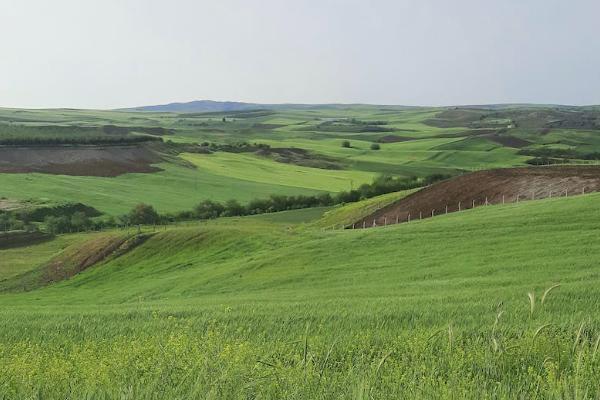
x: 107, y: 161
x: 492, y: 186
x: 508, y: 141
x: 393, y: 139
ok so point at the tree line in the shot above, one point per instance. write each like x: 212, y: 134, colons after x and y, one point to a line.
x: 77, y: 218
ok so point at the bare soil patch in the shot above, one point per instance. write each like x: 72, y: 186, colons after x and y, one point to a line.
x: 494, y: 186
x: 107, y: 161
x: 508, y: 141
x: 393, y: 139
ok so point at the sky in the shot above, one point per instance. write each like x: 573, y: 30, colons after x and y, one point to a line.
x: 125, y: 53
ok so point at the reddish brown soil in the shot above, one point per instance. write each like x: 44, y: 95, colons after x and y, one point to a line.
x: 79, y: 160
x: 508, y: 185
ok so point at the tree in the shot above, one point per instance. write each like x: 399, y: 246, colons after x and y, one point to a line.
x: 233, y: 209
x: 57, y: 224
x: 143, y: 214
x: 375, y: 146
x: 4, y: 218
x: 80, y: 221
x: 346, y: 144
x: 208, y: 209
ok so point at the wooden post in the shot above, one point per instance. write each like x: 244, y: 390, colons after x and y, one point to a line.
x: 502, y: 199
x: 486, y: 202
x: 459, y: 206
x: 432, y: 213
x: 567, y: 192
x: 384, y: 221
x: 446, y: 208
x: 374, y: 224
x: 473, y: 203
x: 420, y: 214
x: 397, y: 219
x: 364, y: 224
x: 408, y: 219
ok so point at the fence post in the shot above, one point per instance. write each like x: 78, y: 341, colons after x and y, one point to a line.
x: 420, y: 214
x: 408, y: 220
x: 446, y: 208
x: 459, y: 206
x: 502, y: 199
x: 397, y: 219
x: 384, y: 221
x: 473, y: 203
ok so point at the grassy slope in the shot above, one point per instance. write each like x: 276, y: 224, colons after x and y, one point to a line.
x: 349, y: 213
x: 223, y: 176
x: 245, y: 308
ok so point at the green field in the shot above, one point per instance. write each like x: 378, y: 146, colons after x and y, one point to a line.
x: 253, y: 308
x: 424, y: 141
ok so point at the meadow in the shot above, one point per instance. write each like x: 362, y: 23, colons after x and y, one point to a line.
x: 463, y: 305
x: 409, y: 146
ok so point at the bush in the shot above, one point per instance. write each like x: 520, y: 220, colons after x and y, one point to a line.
x: 346, y: 144
x: 143, y: 214
x: 375, y: 146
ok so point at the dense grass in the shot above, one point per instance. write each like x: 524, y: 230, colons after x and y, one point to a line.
x: 245, y: 308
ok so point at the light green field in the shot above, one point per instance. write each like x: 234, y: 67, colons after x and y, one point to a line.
x: 248, y: 308
x: 243, y: 176
x: 256, y: 169
x: 176, y: 188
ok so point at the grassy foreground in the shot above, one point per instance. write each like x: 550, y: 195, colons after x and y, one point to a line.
x: 252, y: 308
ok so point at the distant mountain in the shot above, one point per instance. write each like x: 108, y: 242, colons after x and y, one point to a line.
x: 200, y: 106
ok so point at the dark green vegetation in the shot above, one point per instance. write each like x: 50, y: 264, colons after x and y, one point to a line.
x: 246, y: 308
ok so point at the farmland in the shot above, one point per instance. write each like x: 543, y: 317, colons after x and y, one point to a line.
x: 498, y: 301
x: 84, y: 162
x: 247, y: 307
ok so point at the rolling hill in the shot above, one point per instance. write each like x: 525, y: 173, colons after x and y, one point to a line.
x: 249, y: 307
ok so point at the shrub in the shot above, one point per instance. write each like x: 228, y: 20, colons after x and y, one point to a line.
x: 346, y: 144
x: 375, y: 146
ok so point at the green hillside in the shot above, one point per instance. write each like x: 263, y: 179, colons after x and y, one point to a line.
x: 307, y: 152
x: 254, y: 308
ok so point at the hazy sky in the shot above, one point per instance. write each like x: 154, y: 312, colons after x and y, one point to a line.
x: 117, y: 53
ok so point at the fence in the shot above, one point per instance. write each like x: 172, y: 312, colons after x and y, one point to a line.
x: 385, y: 220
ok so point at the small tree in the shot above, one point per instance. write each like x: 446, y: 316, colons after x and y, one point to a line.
x: 346, y: 144
x: 80, y: 221
x: 375, y: 146
x: 233, y: 209
x: 143, y: 214
x: 208, y: 210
